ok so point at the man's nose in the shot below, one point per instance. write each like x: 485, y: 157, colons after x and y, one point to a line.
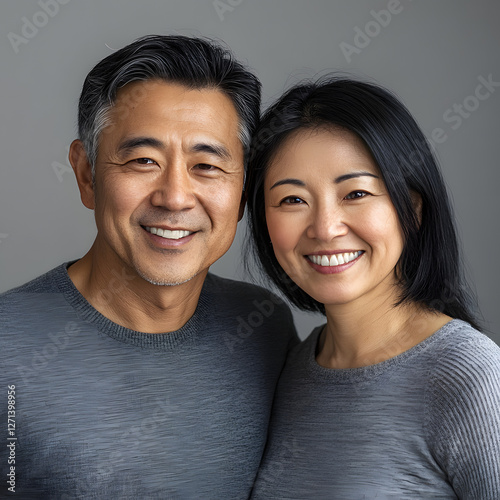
x: 174, y: 188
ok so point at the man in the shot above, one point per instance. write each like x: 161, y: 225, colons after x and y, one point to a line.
x: 133, y: 372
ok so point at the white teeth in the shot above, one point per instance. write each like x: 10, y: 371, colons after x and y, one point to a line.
x: 334, y: 260
x: 166, y: 233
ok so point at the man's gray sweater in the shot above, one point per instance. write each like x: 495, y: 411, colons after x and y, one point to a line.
x: 104, y: 412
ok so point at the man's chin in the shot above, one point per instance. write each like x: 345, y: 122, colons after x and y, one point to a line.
x: 164, y: 280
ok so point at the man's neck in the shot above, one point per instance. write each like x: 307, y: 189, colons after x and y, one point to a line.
x: 122, y: 296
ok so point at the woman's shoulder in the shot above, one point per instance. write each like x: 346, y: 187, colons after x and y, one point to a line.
x: 462, y: 419
x: 464, y: 380
x: 462, y: 346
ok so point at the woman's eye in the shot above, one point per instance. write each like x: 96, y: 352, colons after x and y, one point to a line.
x: 356, y: 194
x: 291, y: 200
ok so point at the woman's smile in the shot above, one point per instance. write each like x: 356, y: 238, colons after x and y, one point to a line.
x: 333, y: 262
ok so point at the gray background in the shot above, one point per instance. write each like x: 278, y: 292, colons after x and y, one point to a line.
x: 431, y: 53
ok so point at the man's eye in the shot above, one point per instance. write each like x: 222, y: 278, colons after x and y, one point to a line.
x: 356, y: 194
x: 206, y: 167
x: 144, y: 161
x: 291, y: 200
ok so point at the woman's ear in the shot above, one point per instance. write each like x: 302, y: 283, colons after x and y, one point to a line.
x: 83, y: 172
x: 417, y: 205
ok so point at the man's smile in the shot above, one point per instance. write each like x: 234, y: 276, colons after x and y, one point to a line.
x: 175, y: 234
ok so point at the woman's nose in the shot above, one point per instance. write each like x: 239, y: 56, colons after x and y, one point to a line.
x: 327, y: 222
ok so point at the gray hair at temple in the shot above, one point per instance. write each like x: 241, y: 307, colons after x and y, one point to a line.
x: 194, y: 62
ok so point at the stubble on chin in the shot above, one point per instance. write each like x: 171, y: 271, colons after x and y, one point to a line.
x: 157, y: 281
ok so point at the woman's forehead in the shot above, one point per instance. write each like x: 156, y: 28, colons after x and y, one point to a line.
x: 306, y: 146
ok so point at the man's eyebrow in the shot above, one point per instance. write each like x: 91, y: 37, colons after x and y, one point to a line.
x: 293, y: 182
x: 214, y: 149
x: 354, y: 175
x: 128, y: 145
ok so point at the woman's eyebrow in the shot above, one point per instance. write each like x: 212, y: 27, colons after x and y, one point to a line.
x: 294, y: 182
x: 338, y: 180
x: 354, y: 175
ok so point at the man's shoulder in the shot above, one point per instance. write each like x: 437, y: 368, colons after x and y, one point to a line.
x: 33, y: 298
x: 45, y: 283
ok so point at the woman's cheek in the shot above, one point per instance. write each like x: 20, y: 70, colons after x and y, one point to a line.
x: 284, y: 233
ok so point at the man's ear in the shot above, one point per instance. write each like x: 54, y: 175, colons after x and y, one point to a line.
x: 417, y: 205
x: 83, y: 172
x: 243, y: 202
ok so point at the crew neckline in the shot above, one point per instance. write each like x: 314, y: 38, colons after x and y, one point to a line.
x: 364, y: 373
x: 151, y: 341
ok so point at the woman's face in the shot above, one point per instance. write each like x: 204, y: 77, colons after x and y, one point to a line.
x: 332, y: 224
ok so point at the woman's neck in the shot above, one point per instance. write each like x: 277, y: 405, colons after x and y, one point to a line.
x: 357, y: 336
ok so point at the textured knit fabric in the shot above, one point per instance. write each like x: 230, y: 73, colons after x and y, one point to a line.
x: 422, y: 425
x: 103, y: 412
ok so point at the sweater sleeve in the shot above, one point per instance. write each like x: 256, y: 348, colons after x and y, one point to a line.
x: 463, y: 418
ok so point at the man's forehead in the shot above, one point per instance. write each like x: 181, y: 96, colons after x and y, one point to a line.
x: 156, y: 91
x: 164, y: 108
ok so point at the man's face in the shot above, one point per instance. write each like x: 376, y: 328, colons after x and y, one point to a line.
x: 168, y: 181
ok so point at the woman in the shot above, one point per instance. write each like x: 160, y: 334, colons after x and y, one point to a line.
x: 398, y: 395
